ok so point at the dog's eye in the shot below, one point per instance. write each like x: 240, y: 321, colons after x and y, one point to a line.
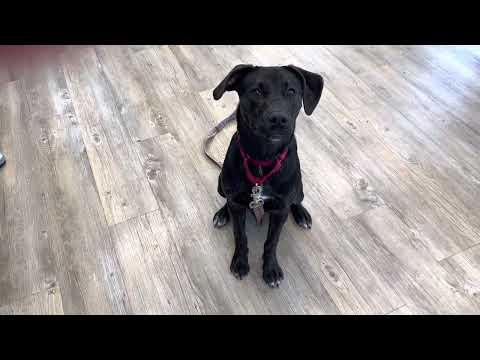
x: 291, y: 91
x: 257, y: 91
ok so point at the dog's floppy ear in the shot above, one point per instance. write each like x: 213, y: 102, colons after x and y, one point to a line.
x: 231, y: 80
x: 312, y: 88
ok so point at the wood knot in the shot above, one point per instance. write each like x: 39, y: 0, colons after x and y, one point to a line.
x: 51, y: 287
x: 65, y: 95
x: 412, y: 159
x: 331, y: 273
x: 352, y: 125
x: 362, y: 184
x: 151, y: 174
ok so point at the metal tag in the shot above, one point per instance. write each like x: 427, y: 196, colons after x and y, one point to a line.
x: 258, y: 212
x: 257, y: 203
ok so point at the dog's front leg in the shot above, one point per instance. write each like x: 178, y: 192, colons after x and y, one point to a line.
x: 272, y: 272
x: 239, y: 266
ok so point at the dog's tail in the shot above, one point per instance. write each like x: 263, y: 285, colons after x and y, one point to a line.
x: 213, y: 133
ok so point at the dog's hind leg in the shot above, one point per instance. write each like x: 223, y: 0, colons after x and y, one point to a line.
x: 301, y: 216
x: 221, y: 217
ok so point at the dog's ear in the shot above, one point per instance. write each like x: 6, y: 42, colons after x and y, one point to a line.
x: 312, y: 88
x: 231, y: 80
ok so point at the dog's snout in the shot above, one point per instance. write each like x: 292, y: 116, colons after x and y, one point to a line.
x: 278, y: 120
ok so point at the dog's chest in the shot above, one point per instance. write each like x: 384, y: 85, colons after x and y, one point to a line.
x: 268, y: 196
x: 276, y: 190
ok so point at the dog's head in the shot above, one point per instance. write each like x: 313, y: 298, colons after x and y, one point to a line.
x: 271, y: 97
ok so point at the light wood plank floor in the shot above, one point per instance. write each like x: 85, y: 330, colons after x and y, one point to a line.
x: 106, y: 200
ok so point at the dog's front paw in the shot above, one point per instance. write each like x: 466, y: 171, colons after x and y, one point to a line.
x: 301, y: 216
x: 221, y: 217
x: 272, y: 273
x: 239, y: 266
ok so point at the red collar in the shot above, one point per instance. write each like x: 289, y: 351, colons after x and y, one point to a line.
x: 277, y: 164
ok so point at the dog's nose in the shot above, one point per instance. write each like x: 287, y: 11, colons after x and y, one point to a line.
x: 278, y: 120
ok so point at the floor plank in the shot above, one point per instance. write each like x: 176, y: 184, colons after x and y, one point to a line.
x: 46, y: 302
x: 403, y: 310
x: 70, y: 227
x: 199, y: 65
x: 26, y: 254
x: 425, y: 278
x: 123, y: 190
x: 464, y: 269
x: 87, y: 264
x: 404, y: 173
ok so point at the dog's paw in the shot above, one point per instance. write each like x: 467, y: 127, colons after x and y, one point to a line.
x: 272, y: 273
x: 221, y: 217
x: 239, y: 266
x: 301, y: 216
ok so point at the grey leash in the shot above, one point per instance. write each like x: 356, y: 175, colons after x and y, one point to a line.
x: 2, y: 159
x: 213, y: 133
x: 257, y: 204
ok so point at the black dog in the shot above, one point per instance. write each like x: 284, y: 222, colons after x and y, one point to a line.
x: 264, y: 152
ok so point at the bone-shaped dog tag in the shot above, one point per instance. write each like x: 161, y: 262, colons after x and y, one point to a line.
x: 257, y: 203
x: 259, y: 212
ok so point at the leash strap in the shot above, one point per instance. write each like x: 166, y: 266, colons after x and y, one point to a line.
x: 211, y: 135
x: 2, y: 159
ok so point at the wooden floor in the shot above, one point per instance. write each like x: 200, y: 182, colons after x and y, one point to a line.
x: 106, y: 200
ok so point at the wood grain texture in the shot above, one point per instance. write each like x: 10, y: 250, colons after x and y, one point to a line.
x: 106, y: 201
x: 464, y: 271
x: 403, y: 310
x: 87, y: 264
x: 46, y: 302
x: 425, y: 275
x: 69, y: 227
x: 405, y: 173
x: 123, y: 189
x: 138, y: 90
x: 199, y: 65
x: 26, y: 254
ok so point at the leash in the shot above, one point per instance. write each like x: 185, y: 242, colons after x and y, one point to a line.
x: 219, y: 127
x: 2, y: 159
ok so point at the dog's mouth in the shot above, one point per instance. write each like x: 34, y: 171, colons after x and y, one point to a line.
x: 275, y: 138
x: 272, y: 136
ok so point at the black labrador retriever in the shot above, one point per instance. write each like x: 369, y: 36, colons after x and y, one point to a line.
x: 262, y: 162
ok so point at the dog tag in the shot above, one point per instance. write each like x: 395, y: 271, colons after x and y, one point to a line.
x: 259, y: 212
x: 257, y: 203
